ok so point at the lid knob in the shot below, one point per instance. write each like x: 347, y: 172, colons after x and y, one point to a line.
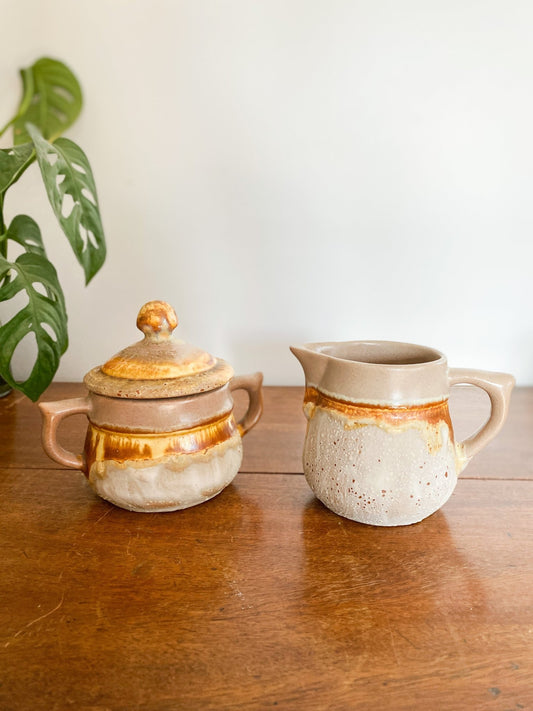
x: 157, y: 320
x: 158, y: 365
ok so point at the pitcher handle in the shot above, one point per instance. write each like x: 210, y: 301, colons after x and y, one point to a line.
x: 498, y: 387
x: 252, y: 385
x: 53, y: 413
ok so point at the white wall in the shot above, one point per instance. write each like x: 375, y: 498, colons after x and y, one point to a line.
x: 292, y: 170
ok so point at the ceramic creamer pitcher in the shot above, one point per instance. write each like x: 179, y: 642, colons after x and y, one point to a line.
x: 379, y: 447
x: 162, y: 435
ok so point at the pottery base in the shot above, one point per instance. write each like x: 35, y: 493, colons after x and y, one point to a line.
x: 170, y: 484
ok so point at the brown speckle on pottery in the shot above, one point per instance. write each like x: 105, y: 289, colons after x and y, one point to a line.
x: 378, y: 423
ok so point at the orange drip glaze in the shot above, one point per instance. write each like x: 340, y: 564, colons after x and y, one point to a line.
x: 104, y: 444
x: 432, y: 413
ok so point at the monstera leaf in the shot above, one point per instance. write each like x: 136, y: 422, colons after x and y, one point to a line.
x: 51, y: 100
x: 71, y: 190
x: 13, y: 162
x: 26, y: 232
x: 44, y: 315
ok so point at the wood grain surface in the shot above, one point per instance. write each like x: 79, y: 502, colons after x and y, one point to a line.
x: 261, y: 597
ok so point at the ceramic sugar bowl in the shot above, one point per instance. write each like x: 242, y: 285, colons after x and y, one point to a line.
x: 162, y: 434
x: 380, y: 447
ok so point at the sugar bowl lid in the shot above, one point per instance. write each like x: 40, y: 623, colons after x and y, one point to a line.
x: 158, y: 366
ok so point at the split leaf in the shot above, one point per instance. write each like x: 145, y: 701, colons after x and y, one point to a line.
x: 44, y: 315
x: 51, y: 100
x: 71, y: 190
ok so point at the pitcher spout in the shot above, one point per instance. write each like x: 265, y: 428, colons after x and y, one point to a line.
x: 313, y: 363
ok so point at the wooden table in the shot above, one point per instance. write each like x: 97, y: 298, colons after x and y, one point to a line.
x: 261, y: 597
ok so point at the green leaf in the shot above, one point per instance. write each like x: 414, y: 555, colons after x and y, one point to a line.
x: 25, y: 231
x: 44, y: 315
x: 13, y: 162
x: 27, y: 95
x: 28, y: 90
x: 51, y: 100
x: 71, y: 190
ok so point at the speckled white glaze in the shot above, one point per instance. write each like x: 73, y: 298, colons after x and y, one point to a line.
x: 385, y: 476
x: 379, y: 447
x: 170, y: 483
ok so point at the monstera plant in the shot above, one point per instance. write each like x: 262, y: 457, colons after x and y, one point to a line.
x: 51, y: 102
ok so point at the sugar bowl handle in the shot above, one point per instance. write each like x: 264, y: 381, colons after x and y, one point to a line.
x: 498, y: 387
x: 53, y: 413
x: 252, y: 385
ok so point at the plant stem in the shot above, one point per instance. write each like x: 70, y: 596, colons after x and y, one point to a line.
x: 3, y: 227
x: 3, y: 241
x: 8, y: 124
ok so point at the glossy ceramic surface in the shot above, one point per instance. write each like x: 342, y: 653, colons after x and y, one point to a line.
x: 162, y: 435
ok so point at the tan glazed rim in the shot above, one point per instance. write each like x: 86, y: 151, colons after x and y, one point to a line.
x: 392, y: 373
x: 395, y: 354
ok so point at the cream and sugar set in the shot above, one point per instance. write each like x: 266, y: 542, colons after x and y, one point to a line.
x: 379, y: 447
